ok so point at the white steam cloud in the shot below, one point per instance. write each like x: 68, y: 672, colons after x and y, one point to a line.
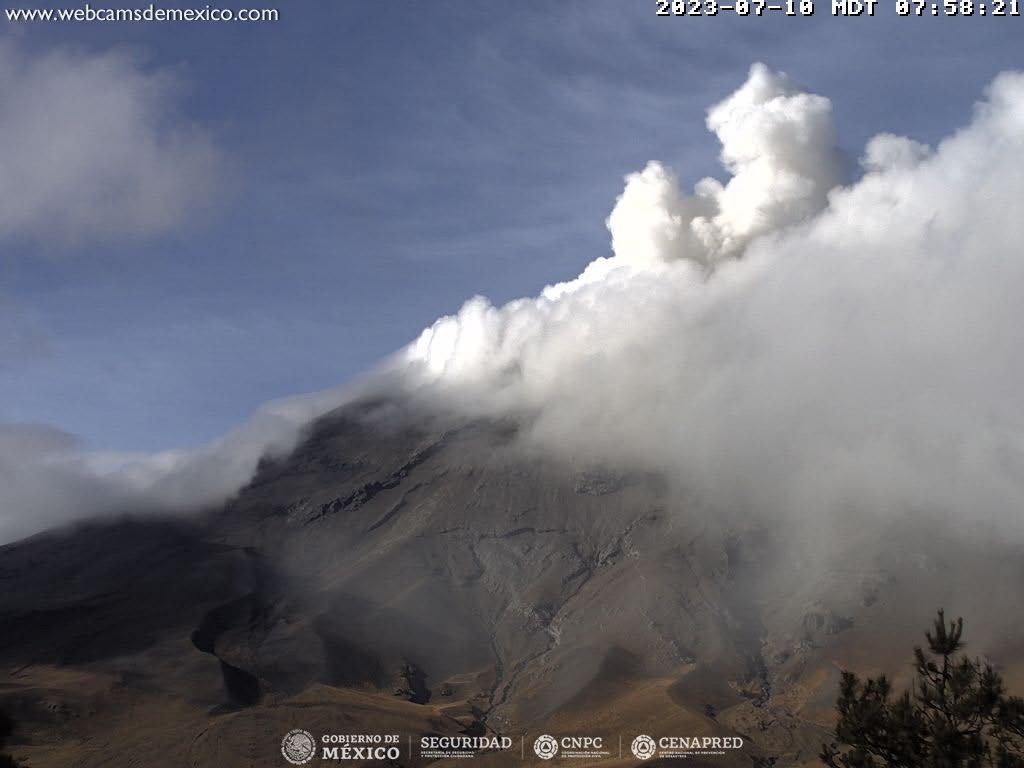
x: 778, y: 343
x: 778, y: 144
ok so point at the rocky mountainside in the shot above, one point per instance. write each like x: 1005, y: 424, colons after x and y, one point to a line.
x: 419, y: 573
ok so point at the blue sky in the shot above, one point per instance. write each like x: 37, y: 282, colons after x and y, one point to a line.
x: 367, y: 166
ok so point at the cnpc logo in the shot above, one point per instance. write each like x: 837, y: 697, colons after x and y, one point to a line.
x: 546, y: 747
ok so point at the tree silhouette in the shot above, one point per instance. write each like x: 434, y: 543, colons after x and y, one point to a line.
x: 6, y: 727
x: 957, y: 715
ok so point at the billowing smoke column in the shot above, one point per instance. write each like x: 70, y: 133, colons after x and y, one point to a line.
x: 781, y: 343
x: 778, y: 144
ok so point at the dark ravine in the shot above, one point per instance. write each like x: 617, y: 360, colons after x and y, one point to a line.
x: 418, y: 572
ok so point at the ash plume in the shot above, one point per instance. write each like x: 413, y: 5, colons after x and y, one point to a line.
x: 781, y: 344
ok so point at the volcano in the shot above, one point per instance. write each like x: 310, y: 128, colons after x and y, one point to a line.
x: 411, y: 571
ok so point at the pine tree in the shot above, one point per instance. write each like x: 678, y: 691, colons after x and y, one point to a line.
x: 6, y: 727
x: 958, y: 714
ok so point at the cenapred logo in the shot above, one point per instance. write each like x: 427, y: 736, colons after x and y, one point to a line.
x: 546, y: 747
x: 643, y: 747
x: 298, y: 746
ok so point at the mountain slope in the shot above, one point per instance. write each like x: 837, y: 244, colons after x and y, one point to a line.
x: 419, y: 572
